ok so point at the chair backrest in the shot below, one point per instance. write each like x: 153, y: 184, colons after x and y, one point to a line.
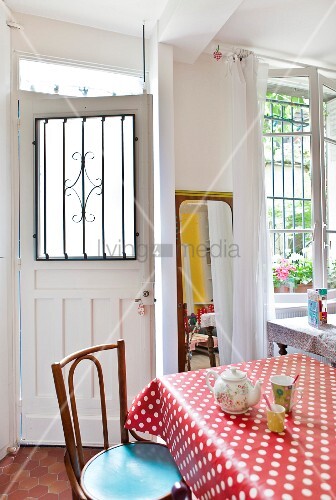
x: 69, y: 414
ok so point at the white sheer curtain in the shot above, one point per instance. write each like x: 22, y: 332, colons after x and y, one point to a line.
x: 250, y: 270
x: 220, y: 236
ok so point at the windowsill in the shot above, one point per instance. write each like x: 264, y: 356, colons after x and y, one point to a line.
x: 290, y: 305
x: 297, y: 301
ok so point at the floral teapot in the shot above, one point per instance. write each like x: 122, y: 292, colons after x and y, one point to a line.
x: 233, y: 391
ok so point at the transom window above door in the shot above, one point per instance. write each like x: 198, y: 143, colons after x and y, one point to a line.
x: 85, y: 187
x: 75, y: 80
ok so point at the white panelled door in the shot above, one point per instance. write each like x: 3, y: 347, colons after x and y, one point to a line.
x: 67, y: 305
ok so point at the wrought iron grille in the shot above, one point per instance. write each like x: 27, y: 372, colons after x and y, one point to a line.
x: 287, y: 144
x: 85, y: 188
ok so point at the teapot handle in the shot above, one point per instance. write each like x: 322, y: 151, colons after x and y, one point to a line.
x: 215, y: 374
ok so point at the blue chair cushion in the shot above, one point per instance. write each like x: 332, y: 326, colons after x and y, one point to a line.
x: 130, y: 471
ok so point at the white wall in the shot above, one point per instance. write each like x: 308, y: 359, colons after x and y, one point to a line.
x: 69, y: 41
x: 161, y: 86
x: 202, y: 130
x: 5, y: 239
x: 193, y: 93
x: 74, y: 42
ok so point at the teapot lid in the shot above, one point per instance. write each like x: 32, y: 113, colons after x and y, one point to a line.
x: 232, y: 374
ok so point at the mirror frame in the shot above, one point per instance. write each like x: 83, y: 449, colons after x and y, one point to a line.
x: 180, y: 197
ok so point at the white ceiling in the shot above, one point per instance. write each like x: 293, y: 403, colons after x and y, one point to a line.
x: 121, y: 16
x: 301, y: 30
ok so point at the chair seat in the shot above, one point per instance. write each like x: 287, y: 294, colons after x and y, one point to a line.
x: 130, y: 471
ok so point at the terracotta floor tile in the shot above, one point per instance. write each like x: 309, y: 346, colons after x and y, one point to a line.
x: 4, y: 479
x: 6, y: 461
x: 18, y: 495
x: 65, y: 495
x: 4, y: 488
x: 36, y: 472
x: 91, y: 452
x: 58, y: 487
x: 48, y: 460
x: 38, y: 491
x: 57, y: 451
x: 28, y: 483
x: 20, y: 475
x: 31, y: 464
x: 38, y: 453
x: 9, y: 487
x: 12, y: 468
x: 62, y: 476
x: 48, y: 479
x: 24, y: 454
x: 39, y: 471
x: 56, y: 468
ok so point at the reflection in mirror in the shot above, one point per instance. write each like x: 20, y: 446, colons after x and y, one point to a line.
x: 206, y: 264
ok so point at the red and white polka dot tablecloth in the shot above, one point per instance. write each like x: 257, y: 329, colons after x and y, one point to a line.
x: 235, y: 456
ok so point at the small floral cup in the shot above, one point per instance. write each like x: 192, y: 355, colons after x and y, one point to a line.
x: 284, y: 391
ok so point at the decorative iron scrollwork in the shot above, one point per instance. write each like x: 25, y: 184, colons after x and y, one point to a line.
x: 70, y: 188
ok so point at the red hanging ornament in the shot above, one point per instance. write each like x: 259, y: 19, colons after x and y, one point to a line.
x: 217, y: 54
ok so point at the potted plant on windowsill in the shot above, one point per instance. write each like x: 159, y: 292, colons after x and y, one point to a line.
x: 294, y: 274
x: 302, y: 276
x: 282, y: 269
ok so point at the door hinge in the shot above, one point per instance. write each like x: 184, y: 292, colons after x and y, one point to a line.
x: 19, y: 264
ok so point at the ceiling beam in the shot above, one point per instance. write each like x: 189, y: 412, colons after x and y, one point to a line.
x: 190, y: 25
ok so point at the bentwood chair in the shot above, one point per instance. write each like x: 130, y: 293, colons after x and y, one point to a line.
x: 127, y: 471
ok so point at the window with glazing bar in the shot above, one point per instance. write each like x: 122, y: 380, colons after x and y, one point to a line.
x: 287, y: 147
x: 85, y: 188
x: 300, y: 163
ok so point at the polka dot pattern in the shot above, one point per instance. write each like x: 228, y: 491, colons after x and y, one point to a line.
x: 226, y: 456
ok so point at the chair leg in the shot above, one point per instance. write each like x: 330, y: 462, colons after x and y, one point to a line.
x: 181, y: 491
x: 211, y: 353
x: 77, y: 492
x: 74, y: 496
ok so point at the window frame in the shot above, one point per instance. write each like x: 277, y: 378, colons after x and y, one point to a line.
x: 318, y: 200
x: 37, y: 236
x: 324, y: 81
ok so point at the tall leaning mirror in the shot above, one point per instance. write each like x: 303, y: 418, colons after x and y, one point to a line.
x: 204, y: 272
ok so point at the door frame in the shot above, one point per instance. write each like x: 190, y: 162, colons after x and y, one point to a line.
x: 144, y: 228
x: 180, y: 197
x: 14, y: 298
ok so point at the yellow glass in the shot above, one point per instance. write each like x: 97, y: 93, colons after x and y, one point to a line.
x: 276, y: 418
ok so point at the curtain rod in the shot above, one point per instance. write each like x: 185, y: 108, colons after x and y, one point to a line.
x: 232, y: 50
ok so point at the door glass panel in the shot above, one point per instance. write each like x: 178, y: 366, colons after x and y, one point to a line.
x: 287, y: 108
x: 85, y: 187
x: 285, y: 244
x: 288, y: 183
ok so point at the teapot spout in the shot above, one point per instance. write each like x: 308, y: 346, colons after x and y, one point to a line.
x: 254, y: 394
